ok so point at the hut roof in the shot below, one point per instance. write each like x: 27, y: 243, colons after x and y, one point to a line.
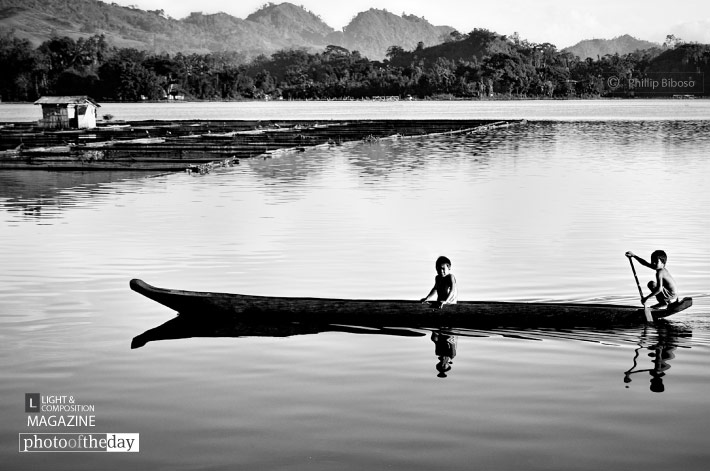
x: 66, y: 100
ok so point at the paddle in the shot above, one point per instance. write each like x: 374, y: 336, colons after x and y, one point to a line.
x: 646, y: 309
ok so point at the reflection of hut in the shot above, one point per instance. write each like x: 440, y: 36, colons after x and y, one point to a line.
x: 73, y: 112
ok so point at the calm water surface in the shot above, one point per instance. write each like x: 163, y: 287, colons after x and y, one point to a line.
x: 540, y: 110
x: 539, y: 212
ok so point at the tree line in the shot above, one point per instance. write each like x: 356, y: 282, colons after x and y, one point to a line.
x: 475, y: 65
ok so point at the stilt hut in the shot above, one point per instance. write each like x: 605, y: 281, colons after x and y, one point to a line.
x: 68, y: 112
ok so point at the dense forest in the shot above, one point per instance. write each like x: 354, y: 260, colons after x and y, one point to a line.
x: 481, y: 64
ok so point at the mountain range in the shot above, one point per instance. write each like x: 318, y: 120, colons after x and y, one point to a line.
x: 273, y: 27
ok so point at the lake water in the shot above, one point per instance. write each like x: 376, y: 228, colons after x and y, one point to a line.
x: 543, y: 211
x: 540, y: 110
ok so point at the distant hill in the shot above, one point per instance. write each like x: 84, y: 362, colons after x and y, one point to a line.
x: 601, y: 47
x: 374, y: 31
x: 265, y: 31
x: 476, y: 44
x: 291, y: 21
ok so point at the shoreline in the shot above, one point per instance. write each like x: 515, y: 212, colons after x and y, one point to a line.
x: 532, y: 110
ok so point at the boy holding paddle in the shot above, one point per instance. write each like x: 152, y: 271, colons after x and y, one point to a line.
x: 664, y: 288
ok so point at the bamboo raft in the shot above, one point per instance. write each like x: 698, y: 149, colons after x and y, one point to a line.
x: 201, y: 145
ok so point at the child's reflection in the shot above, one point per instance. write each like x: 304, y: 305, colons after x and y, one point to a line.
x: 445, y: 350
x: 661, y: 353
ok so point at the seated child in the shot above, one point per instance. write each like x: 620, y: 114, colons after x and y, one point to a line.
x: 664, y: 288
x: 444, y: 284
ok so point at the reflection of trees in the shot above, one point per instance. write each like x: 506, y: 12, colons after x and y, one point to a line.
x: 679, y: 136
x: 291, y: 168
x: 39, y: 194
x: 661, y: 341
x: 375, y: 161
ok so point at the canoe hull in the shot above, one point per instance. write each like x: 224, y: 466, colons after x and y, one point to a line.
x: 395, y: 312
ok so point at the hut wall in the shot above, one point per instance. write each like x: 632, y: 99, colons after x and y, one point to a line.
x: 55, y: 117
x: 86, y: 116
x: 68, y: 116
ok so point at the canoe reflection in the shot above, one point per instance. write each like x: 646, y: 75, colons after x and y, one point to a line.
x: 661, y: 341
x: 184, y: 327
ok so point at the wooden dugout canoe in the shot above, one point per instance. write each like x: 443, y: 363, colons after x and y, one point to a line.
x: 396, y: 313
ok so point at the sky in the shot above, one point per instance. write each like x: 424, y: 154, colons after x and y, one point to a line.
x: 560, y: 22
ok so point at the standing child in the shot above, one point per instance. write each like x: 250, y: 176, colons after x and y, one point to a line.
x: 444, y: 284
x: 664, y: 288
